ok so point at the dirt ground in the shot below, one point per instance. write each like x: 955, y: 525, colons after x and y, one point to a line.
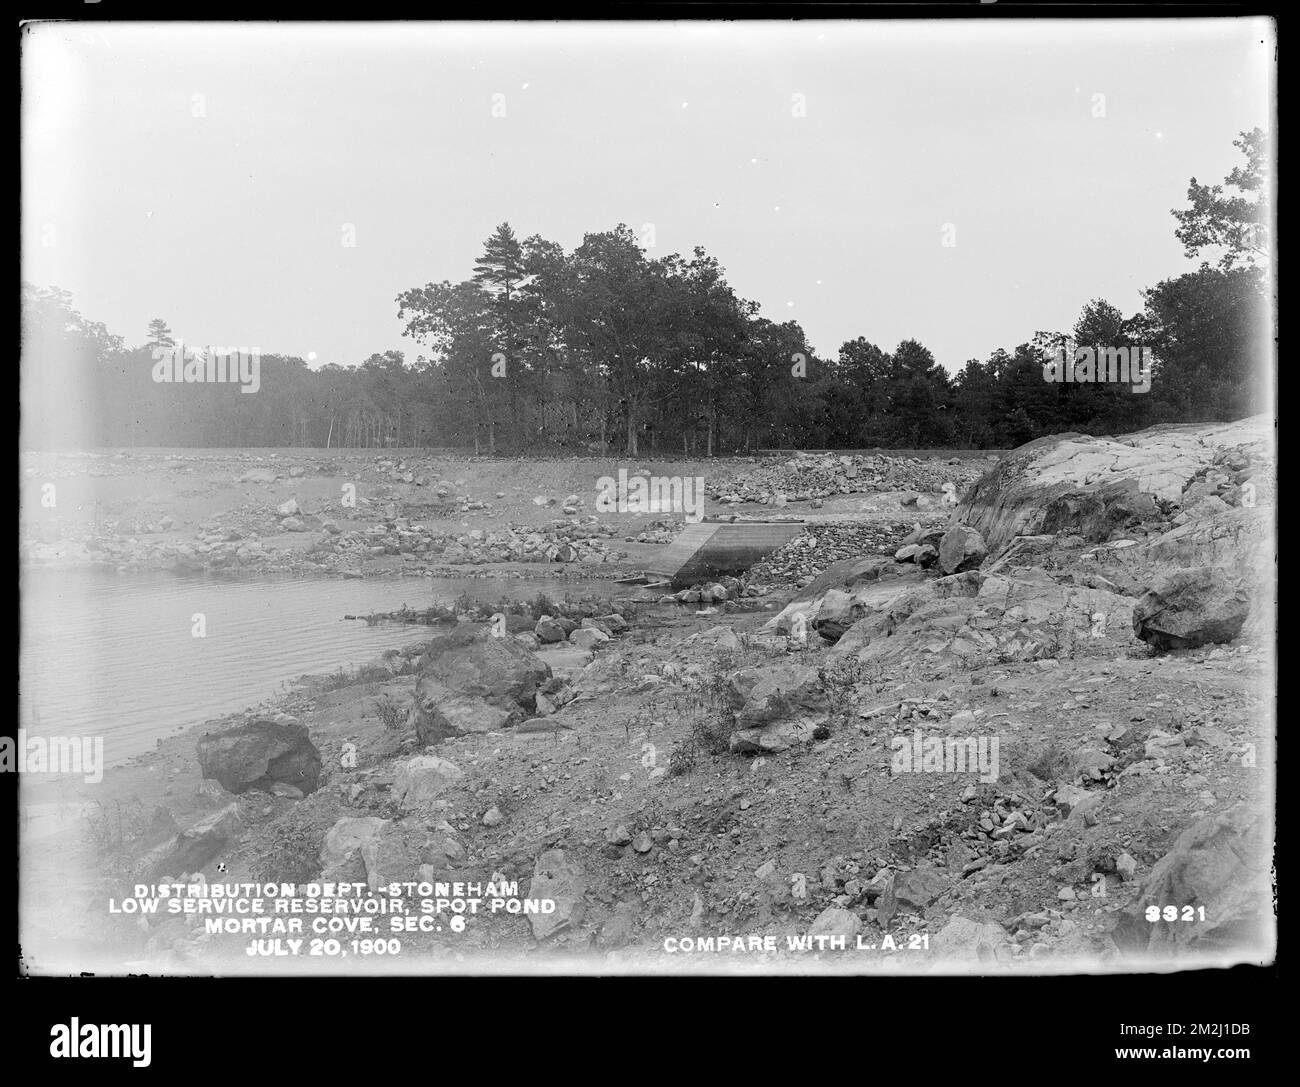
x: 678, y: 841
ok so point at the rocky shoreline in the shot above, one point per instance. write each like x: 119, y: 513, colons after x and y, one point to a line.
x: 1092, y: 625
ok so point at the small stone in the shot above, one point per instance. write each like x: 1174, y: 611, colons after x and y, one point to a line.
x: 642, y: 843
x: 618, y: 836
x: 493, y: 817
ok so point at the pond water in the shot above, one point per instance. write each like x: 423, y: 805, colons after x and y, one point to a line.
x: 115, y: 655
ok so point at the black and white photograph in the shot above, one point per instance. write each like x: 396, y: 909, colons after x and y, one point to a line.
x: 647, y: 497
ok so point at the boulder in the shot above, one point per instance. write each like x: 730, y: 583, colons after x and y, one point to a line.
x: 395, y: 852
x: 962, y: 548
x: 343, y: 843
x: 838, y: 611
x: 870, y: 584
x: 782, y: 707
x: 588, y: 637
x: 500, y: 671
x: 1190, y: 607
x: 561, y: 879
x: 420, y: 779
x: 548, y: 631
x: 192, y: 849
x: 962, y: 940
x: 257, y: 754
x: 910, y: 892
x: 440, y: 712
x: 833, y: 922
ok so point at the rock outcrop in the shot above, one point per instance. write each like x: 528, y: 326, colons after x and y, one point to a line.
x: 1098, y: 486
x: 1217, y: 875
x: 989, y: 618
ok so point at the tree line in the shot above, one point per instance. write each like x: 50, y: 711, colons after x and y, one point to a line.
x: 606, y: 349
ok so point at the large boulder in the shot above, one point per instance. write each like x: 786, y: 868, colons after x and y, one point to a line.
x: 260, y: 752
x: 439, y: 712
x: 1187, y: 608
x: 499, y: 670
x: 782, y: 706
x: 471, y: 681
x: 1237, y: 545
x: 837, y: 612
x: 961, y: 549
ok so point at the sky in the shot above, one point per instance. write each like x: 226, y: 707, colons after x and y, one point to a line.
x: 965, y: 184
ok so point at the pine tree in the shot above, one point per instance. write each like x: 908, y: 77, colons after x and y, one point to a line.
x: 159, y: 334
